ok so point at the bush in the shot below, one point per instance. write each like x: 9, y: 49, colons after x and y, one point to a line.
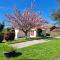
x: 1, y: 37
x: 9, y: 36
x: 1, y: 27
x: 1, y: 33
x: 47, y: 34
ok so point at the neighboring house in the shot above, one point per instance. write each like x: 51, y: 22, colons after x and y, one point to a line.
x: 34, y: 32
x: 55, y: 32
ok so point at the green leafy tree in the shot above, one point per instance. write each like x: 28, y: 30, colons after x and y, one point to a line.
x: 56, y: 14
x: 1, y: 27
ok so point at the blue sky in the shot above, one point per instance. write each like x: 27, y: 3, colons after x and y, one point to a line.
x: 44, y: 6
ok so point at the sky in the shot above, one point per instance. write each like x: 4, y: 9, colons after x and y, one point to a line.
x: 43, y: 6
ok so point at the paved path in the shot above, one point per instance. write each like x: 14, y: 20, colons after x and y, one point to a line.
x: 57, y: 37
x: 28, y: 43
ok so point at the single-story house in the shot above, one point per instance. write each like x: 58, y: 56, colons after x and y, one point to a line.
x: 34, y: 31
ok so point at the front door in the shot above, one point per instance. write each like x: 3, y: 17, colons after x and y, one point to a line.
x: 39, y: 32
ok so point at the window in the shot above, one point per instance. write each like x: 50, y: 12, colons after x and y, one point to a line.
x: 32, y: 33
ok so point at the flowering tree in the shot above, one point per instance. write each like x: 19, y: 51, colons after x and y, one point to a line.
x: 25, y: 21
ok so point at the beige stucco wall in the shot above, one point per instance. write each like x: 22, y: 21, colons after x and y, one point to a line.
x: 35, y: 33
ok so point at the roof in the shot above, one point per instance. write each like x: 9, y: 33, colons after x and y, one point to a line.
x: 47, y: 26
x: 57, y: 29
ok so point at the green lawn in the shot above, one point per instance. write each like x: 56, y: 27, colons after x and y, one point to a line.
x: 19, y: 40
x: 4, y: 48
x: 45, y: 51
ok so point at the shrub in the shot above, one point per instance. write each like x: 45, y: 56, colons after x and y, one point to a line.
x: 9, y: 36
x: 47, y: 34
x: 1, y: 37
x: 1, y: 27
x: 1, y: 33
x: 6, y: 36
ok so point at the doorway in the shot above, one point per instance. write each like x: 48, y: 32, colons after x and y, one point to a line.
x: 39, y: 32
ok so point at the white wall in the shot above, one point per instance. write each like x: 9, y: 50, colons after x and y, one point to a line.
x: 16, y: 33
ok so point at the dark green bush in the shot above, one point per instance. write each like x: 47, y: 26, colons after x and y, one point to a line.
x: 1, y: 33
x: 47, y: 34
x: 12, y: 35
x: 1, y: 37
x: 1, y: 27
x: 9, y: 36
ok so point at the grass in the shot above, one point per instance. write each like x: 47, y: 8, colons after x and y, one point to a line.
x: 4, y: 48
x: 19, y: 40
x: 45, y: 51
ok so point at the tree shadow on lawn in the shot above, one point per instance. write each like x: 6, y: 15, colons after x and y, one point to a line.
x: 17, y: 54
x: 12, y: 54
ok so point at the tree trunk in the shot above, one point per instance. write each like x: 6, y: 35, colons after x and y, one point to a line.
x: 26, y: 34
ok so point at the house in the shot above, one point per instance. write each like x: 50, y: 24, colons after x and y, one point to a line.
x: 34, y: 32
x: 55, y: 32
x: 42, y: 26
x: 40, y: 30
